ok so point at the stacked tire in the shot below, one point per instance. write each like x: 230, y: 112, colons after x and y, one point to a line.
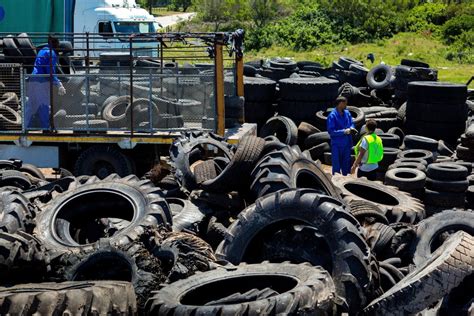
x: 301, y: 98
x: 446, y: 185
x: 434, y: 104
x: 465, y: 150
x: 259, y: 98
x: 410, y: 180
x: 404, y: 74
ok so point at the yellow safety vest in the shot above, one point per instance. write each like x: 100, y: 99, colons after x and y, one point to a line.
x: 375, y: 148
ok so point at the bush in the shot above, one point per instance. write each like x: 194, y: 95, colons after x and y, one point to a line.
x: 426, y: 17
x: 456, y: 26
x: 462, y: 50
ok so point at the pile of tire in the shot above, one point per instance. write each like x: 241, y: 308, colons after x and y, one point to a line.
x: 301, y: 98
x: 260, y: 95
x: 431, y: 104
x: 446, y: 185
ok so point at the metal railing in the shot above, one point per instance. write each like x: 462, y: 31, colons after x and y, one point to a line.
x: 120, y: 91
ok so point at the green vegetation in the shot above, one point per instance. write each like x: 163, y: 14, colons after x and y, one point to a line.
x: 439, y: 32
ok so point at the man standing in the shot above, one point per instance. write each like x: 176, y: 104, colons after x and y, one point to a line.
x: 340, y: 127
x: 39, y: 84
x: 369, y: 152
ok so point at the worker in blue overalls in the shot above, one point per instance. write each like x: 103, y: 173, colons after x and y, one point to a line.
x: 340, y: 128
x: 39, y: 86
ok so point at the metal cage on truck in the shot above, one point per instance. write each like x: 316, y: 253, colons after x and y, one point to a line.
x: 124, y: 97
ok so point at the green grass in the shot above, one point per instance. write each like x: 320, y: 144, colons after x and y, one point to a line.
x: 403, y: 45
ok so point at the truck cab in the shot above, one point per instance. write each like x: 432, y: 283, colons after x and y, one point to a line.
x: 113, y: 20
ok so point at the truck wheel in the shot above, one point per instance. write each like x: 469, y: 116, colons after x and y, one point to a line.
x: 85, y: 297
x: 102, y: 161
x: 32, y: 171
x: 76, y: 220
x: 268, y: 288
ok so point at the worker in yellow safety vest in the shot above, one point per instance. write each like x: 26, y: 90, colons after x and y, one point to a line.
x: 369, y: 152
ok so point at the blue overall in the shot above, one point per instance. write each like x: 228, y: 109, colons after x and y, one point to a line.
x: 38, y: 88
x: 341, y: 143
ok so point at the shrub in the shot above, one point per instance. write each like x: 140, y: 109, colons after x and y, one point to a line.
x: 453, y: 28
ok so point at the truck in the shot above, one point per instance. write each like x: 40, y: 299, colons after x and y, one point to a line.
x: 111, y: 19
x: 120, y: 115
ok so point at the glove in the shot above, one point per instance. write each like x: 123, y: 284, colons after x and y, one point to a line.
x: 347, y: 131
x: 61, y: 90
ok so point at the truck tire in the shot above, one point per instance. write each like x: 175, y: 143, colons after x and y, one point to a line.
x: 11, y: 51
x: 430, y: 281
x: 284, y: 63
x: 189, y: 217
x: 361, y: 209
x: 32, y: 171
x: 420, y: 142
x: 322, y: 216
x: 23, y: 259
x: 86, y: 297
x: 447, y: 186
x: 447, y: 171
x: 115, y: 112
x: 14, y: 178
x: 399, y: 206
x: 289, y: 168
x: 132, y: 263
x: 69, y: 223
x: 431, y: 232
x: 379, y: 77
x: 417, y: 153
x: 317, y: 139
x: 414, y: 63
x: 435, y: 92
x: 249, y: 289
x: 444, y: 199
x: 102, y: 161
x: 283, y: 128
x: 309, y: 89
x: 235, y: 175
x: 390, y: 140
x: 411, y: 165
x: 406, y: 179
x: 15, y: 213
x: 186, y: 150
x: 259, y: 90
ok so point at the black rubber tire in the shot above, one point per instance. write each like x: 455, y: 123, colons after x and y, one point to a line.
x: 259, y: 90
x: 432, y: 92
x: 309, y: 89
x: 397, y: 131
x: 11, y: 51
x: 417, y: 153
x: 83, y: 125
x: 32, y: 171
x: 414, y: 63
x: 14, y: 178
x: 379, y: 77
x: 88, y: 297
x: 284, y: 63
x: 317, y: 152
x: 132, y: 263
x: 358, y: 117
x: 281, y: 127
x: 386, y: 123
x: 406, y: 179
x: 359, y: 69
x: 102, y: 161
x: 324, y: 216
x: 205, y: 170
x: 289, y: 168
x: 464, y: 153
x: 115, y: 112
x: 431, y: 232
x: 241, y: 290
x: 399, y: 206
x: 412, y: 160
x: 390, y: 140
x: 235, y: 176
x: 22, y: 259
x: 64, y: 224
x: 304, y: 130
x: 186, y: 150
x: 15, y: 212
x: 450, y: 131
x: 420, y: 142
x: 444, y: 199
x: 190, y: 216
x: 317, y: 139
x: 446, y: 171
x: 346, y: 62
x: 436, y: 113
x: 447, y: 186
x: 430, y: 281
x: 363, y: 209
x: 389, y: 157
x: 412, y: 165
x: 444, y: 149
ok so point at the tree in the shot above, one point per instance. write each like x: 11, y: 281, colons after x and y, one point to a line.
x: 263, y: 11
x: 183, y: 4
x: 214, y: 11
